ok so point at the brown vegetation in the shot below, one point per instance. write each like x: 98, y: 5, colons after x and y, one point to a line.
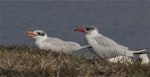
x: 24, y: 61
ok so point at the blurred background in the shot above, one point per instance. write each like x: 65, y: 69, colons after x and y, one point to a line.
x: 127, y: 22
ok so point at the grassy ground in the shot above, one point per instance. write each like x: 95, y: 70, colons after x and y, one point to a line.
x: 24, y: 61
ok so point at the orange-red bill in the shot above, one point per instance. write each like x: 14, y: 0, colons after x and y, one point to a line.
x: 80, y: 30
x: 31, y: 34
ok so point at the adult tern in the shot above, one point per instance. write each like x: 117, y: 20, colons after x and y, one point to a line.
x: 105, y: 47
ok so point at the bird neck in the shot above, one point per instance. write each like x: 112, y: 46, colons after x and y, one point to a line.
x: 41, y: 38
x: 94, y: 33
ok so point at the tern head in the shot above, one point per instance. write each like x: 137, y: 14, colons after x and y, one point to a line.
x: 37, y: 34
x: 88, y: 30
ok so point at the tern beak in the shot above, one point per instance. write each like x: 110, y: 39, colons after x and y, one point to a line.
x: 30, y: 34
x: 80, y: 30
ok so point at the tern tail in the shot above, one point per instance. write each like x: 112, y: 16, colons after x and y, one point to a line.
x: 85, y: 46
x: 140, y: 51
x: 143, y: 55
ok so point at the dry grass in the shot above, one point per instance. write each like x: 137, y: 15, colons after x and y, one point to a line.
x: 24, y: 61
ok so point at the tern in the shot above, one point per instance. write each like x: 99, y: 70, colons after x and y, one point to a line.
x: 105, y: 47
x: 42, y: 41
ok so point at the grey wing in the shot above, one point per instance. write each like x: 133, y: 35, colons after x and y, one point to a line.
x: 72, y: 45
x: 105, y: 41
x: 67, y: 46
x: 54, y: 41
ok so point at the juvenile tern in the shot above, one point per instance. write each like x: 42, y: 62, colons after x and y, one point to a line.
x: 42, y: 41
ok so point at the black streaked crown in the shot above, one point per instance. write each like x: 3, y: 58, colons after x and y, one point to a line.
x: 41, y: 33
x: 90, y: 28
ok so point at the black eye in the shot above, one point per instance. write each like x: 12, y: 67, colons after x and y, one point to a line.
x: 42, y: 34
x: 87, y: 28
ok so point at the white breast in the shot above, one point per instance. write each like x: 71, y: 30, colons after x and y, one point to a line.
x: 42, y: 45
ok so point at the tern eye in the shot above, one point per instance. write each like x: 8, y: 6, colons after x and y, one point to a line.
x: 89, y: 29
x: 42, y: 34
